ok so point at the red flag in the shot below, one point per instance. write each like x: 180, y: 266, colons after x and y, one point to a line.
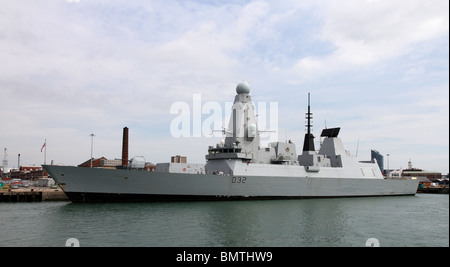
x: 43, y: 145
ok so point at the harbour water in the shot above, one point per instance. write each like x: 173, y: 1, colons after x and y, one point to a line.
x: 413, y: 221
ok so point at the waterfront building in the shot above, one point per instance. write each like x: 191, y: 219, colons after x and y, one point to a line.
x: 414, y: 172
x: 101, y: 162
x: 178, y: 159
x: 28, y: 173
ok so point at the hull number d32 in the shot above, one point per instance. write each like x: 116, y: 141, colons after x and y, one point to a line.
x: 238, y: 180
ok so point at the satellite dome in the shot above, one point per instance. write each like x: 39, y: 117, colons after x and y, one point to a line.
x: 243, y: 88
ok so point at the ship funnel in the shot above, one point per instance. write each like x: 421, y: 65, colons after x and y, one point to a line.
x: 125, y: 147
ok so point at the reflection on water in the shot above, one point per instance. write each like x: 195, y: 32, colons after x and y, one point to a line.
x: 394, y: 221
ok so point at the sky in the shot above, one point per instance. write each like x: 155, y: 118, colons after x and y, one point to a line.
x: 68, y: 68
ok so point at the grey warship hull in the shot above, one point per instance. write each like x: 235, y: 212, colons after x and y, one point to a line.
x: 97, y: 185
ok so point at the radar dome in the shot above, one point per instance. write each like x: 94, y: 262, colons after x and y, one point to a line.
x: 243, y: 88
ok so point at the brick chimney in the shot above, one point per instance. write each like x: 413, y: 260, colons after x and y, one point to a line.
x: 125, y: 147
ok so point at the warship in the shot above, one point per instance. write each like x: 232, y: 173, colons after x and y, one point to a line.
x: 239, y: 168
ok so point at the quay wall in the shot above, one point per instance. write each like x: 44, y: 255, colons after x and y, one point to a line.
x: 32, y: 195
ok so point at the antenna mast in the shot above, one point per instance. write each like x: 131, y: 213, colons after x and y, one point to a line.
x: 308, y: 144
x: 357, y: 148
x: 309, y: 115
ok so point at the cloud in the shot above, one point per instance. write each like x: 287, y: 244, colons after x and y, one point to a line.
x: 368, y: 32
x: 72, y: 68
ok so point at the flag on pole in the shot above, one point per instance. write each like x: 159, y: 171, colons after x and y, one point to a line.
x: 43, y: 145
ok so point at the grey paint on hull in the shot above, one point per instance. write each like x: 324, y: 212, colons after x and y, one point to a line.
x: 76, y: 180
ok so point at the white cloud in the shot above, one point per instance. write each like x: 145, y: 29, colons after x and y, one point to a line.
x: 368, y: 32
x: 69, y: 69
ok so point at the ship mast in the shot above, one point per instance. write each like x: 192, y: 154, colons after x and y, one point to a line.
x: 308, y: 144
